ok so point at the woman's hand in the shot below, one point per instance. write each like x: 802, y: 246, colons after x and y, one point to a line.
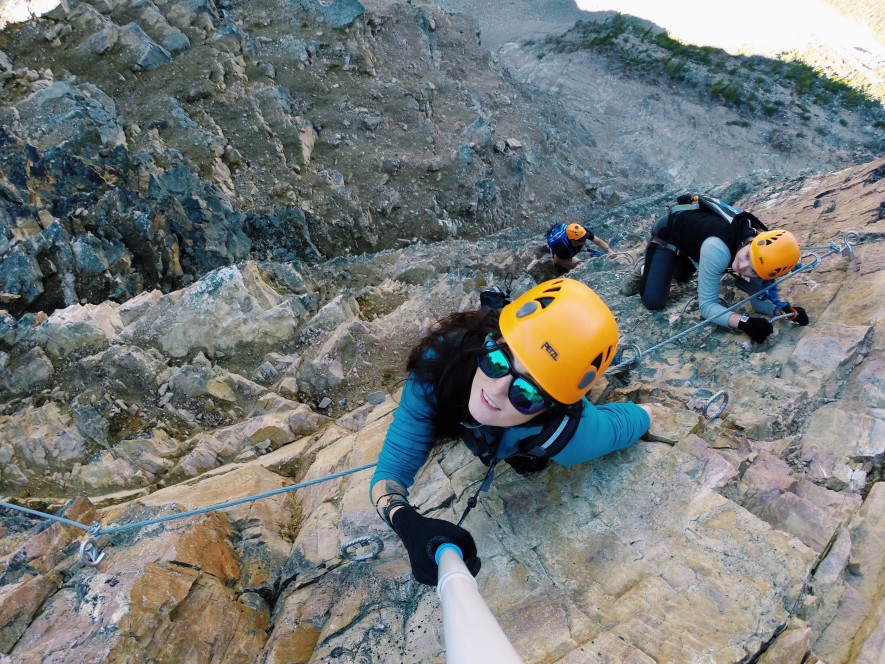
x: 756, y: 328
x: 799, y: 315
x: 649, y: 408
x: 422, y: 536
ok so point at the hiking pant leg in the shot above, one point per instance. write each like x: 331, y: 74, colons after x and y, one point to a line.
x: 684, y: 269
x: 657, y: 274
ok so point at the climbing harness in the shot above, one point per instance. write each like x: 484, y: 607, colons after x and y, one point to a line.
x: 90, y: 552
x: 845, y: 249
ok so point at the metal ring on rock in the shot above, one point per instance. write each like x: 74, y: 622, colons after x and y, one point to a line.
x: 626, y: 363
x: 712, y: 414
x: 851, y: 238
x: 637, y: 355
x: 90, y: 553
x: 360, y: 541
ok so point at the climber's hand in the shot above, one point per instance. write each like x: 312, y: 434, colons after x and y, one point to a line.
x: 422, y: 536
x: 756, y: 328
x: 799, y: 315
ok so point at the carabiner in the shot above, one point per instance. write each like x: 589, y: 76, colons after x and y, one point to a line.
x: 619, y: 364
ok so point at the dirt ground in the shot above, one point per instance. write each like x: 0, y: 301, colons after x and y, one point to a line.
x: 502, y: 21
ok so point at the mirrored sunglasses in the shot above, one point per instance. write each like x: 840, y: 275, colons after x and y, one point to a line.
x: 524, y: 394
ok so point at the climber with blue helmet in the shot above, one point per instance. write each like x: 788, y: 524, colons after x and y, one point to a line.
x: 566, y: 241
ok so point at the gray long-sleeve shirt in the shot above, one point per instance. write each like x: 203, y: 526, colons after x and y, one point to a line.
x: 715, y: 259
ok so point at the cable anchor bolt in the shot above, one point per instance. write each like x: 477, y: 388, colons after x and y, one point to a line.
x: 347, y: 548
x: 90, y: 552
x: 851, y: 238
x: 713, y: 409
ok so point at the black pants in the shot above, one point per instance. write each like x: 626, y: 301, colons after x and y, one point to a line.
x: 661, y: 266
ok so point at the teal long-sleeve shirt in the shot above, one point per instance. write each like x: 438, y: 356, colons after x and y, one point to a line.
x: 602, y: 430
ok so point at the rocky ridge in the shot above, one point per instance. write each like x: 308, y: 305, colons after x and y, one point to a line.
x: 677, y: 115
x: 755, y: 536
x: 148, y: 143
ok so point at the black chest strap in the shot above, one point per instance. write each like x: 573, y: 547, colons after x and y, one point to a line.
x: 553, y: 437
x: 558, y: 430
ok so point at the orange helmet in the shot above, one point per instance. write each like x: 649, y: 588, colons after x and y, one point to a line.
x: 774, y: 253
x: 564, y: 334
x: 575, y: 231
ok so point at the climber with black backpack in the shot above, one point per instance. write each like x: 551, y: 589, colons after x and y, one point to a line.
x: 512, y: 383
x: 704, y: 234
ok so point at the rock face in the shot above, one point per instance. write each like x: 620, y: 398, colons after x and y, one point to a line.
x: 176, y: 338
x: 148, y: 143
x: 755, y: 535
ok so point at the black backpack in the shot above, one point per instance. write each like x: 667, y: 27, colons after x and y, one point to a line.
x: 745, y: 224
x: 494, y: 298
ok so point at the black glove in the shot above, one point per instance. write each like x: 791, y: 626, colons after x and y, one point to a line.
x: 756, y: 328
x: 422, y: 536
x: 525, y: 465
x: 801, y: 318
x: 684, y: 199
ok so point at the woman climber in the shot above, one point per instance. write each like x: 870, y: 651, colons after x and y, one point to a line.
x: 693, y: 237
x: 512, y: 384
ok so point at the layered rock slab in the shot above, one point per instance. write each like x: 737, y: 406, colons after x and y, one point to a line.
x: 637, y: 547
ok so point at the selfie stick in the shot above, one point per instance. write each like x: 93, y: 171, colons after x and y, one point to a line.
x: 472, y: 634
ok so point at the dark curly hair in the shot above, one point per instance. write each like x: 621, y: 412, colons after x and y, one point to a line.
x: 446, y: 359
